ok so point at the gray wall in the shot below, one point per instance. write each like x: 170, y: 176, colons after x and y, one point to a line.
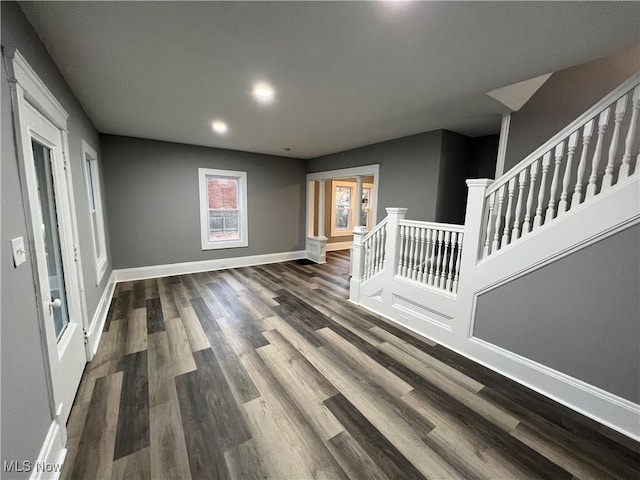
x: 579, y: 315
x: 566, y: 95
x: 26, y: 415
x: 484, y: 154
x: 455, y: 163
x: 153, y: 205
x: 409, y: 169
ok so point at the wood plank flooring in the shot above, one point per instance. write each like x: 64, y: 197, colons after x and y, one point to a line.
x: 268, y: 372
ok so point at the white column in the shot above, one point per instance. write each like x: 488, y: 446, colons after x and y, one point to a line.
x: 502, y: 144
x: 311, y: 210
x: 358, y: 202
x: 473, y: 239
x: 321, y: 186
x: 357, y: 263
x: 392, y: 247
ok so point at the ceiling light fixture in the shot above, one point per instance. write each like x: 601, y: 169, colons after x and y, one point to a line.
x: 263, y: 92
x: 220, y: 127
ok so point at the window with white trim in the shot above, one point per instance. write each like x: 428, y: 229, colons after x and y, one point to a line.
x: 94, y: 199
x: 344, y: 207
x: 223, y: 208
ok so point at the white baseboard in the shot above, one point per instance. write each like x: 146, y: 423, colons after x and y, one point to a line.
x: 99, y: 317
x: 155, y: 271
x: 606, y: 408
x: 52, y: 454
x: 332, y: 247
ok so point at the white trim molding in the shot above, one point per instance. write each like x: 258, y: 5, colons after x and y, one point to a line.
x: 94, y: 332
x: 36, y: 92
x: 91, y: 169
x: 155, y: 271
x: 367, y: 170
x: 604, y: 407
x: 335, y: 246
x: 243, y: 213
x: 52, y: 455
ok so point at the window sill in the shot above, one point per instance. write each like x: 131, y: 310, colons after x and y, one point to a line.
x: 220, y: 245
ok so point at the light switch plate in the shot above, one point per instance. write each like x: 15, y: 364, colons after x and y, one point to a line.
x: 19, y: 255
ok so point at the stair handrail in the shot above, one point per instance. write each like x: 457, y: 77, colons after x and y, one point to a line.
x: 567, y: 131
x: 453, y: 227
x: 373, y: 231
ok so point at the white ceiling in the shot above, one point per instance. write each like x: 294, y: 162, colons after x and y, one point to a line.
x: 346, y: 73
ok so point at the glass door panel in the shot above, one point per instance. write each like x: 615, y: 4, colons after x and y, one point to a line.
x: 51, y: 236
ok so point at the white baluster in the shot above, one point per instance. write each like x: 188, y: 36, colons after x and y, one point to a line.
x: 456, y: 278
x: 487, y: 242
x: 507, y: 221
x: 433, y: 258
x: 436, y: 279
x: 587, y: 131
x: 405, y: 254
x: 416, y: 254
x: 522, y: 180
x: 420, y: 268
x: 427, y: 247
x: 625, y: 168
x: 412, y: 244
x: 374, y: 256
x: 603, y: 121
x: 526, y: 225
x: 551, y: 207
x: 367, y: 256
x: 572, y: 145
x: 496, y: 236
x: 372, y: 253
x: 380, y: 251
x: 621, y: 105
x: 546, y: 161
x: 450, y: 265
x: 403, y: 237
x: 443, y: 277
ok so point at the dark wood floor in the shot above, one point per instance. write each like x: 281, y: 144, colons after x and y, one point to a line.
x: 268, y: 372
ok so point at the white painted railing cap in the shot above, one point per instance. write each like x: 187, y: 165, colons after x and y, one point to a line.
x: 395, y: 210
x: 479, y: 182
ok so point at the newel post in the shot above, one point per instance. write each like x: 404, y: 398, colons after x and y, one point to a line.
x: 474, y: 228
x: 392, y: 246
x: 357, y: 263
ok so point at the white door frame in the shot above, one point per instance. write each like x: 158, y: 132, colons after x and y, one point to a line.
x: 32, y: 99
x: 365, y: 171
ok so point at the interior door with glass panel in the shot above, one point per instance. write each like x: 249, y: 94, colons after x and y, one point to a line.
x: 47, y: 184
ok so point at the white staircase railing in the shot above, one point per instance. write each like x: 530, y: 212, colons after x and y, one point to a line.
x: 579, y: 188
x: 585, y: 159
x: 374, y: 246
x: 430, y: 253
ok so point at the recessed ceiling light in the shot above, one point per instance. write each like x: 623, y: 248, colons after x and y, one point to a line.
x: 263, y: 92
x: 220, y: 127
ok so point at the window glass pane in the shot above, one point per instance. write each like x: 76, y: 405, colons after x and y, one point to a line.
x: 50, y: 235
x: 364, y: 218
x: 223, y: 199
x: 91, y: 186
x: 342, y: 219
x: 99, y: 246
x: 343, y: 207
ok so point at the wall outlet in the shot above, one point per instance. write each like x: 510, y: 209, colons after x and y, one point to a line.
x: 19, y: 254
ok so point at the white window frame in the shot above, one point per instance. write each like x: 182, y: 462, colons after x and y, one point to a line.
x: 203, y: 174
x: 353, y: 206
x: 93, y: 184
